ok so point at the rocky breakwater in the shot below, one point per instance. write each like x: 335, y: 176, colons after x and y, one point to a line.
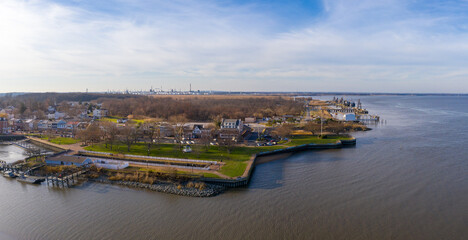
x: 208, y: 190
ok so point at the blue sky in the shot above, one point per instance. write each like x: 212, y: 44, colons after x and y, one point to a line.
x: 329, y: 45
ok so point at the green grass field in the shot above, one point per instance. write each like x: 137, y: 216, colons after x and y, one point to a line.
x: 64, y: 140
x: 235, y: 161
x: 109, y: 119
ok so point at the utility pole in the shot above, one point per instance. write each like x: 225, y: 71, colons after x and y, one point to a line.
x: 321, y: 127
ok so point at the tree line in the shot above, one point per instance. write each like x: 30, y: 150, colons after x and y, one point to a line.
x: 202, y: 109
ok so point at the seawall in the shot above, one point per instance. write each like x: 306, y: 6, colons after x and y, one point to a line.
x: 244, y: 180
x: 47, y: 145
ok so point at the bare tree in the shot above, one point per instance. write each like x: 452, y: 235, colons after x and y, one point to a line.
x: 111, y: 132
x: 228, y: 144
x: 93, y: 133
x: 283, y: 131
x: 127, y: 135
x: 152, y: 133
x: 312, y: 127
x: 179, y: 122
x: 335, y: 127
x: 207, y: 136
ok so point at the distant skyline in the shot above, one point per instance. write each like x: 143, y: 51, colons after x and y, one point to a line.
x: 390, y: 46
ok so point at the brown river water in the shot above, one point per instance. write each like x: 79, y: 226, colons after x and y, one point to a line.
x: 405, y: 179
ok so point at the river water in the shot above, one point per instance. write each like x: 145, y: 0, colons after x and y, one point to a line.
x: 405, y: 179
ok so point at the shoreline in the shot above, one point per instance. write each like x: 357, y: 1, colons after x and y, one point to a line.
x: 215, y: 186
x: 210, y: 190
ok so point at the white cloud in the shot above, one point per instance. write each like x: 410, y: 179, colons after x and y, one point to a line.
x: 357, y: 46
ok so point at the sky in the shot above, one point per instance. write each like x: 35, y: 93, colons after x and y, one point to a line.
x: 406, y: 46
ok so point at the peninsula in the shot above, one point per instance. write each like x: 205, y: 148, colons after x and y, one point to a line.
x: 191, y: 144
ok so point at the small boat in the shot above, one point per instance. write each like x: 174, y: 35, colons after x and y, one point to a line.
x: 24, y: 179
x: 9, y: 174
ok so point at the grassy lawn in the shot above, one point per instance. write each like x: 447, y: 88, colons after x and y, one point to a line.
x: 215, y: 153
x: 235, y: 161
x: 109, y: 119
x: 64, y: 140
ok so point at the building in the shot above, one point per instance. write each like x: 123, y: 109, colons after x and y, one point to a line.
x: 55, y: 115
x: 68, y: 160
x: 71, y: 125
x: 4, y: 128
x: 250, y: 120
x: 232, y: 124
x: 231, y: 128
x: 344, y: 117
x: 99, y: 113
x: 42, y: 125
x: 18, y: 125
x: 29, y: 125
x: 349, y: 117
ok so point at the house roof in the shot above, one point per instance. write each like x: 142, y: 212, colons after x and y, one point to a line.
x: 234, y: 121
x: 68, y: 158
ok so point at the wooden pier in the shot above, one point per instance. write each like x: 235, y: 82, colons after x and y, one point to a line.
x: 64, y: 181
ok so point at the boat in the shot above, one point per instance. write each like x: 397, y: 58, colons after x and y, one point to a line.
x: 9, y: 174
x: 31, y: 180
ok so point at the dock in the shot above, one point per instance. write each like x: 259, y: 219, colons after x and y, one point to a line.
x: 64, y: 181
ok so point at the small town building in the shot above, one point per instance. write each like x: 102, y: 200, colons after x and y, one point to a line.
x: 349, y: 117
x: 71, y: 125
x: 231, y: 129
x: 4, y: 128
x: 250, y: 120
x: 232, y: 124
x: 100, y: 113
x: 56, y: 115
x: 344, y: 117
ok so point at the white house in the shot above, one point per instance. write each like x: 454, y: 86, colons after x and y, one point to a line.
x: 55, y: 115
x: 345, y: 117
x: 43, y: 125
x: 99, y: 113
x: 231, y: 128
x: 232, y: 124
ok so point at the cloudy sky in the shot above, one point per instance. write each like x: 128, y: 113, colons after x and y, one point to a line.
x: 246, y: 45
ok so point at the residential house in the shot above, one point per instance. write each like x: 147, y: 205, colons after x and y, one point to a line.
x: 17, y: 125
x: 4, y: 128
x: 231, y: 128
x: 29, y: 125
x: 43, y: 125
x: 71, y: 125
x: 55, y: 115
x: 100, y: 113
x: 250, y: 120
x: 61, y: 125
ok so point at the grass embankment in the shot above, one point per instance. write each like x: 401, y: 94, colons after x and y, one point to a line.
x: 308, y: 139
x: 235, y: 162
